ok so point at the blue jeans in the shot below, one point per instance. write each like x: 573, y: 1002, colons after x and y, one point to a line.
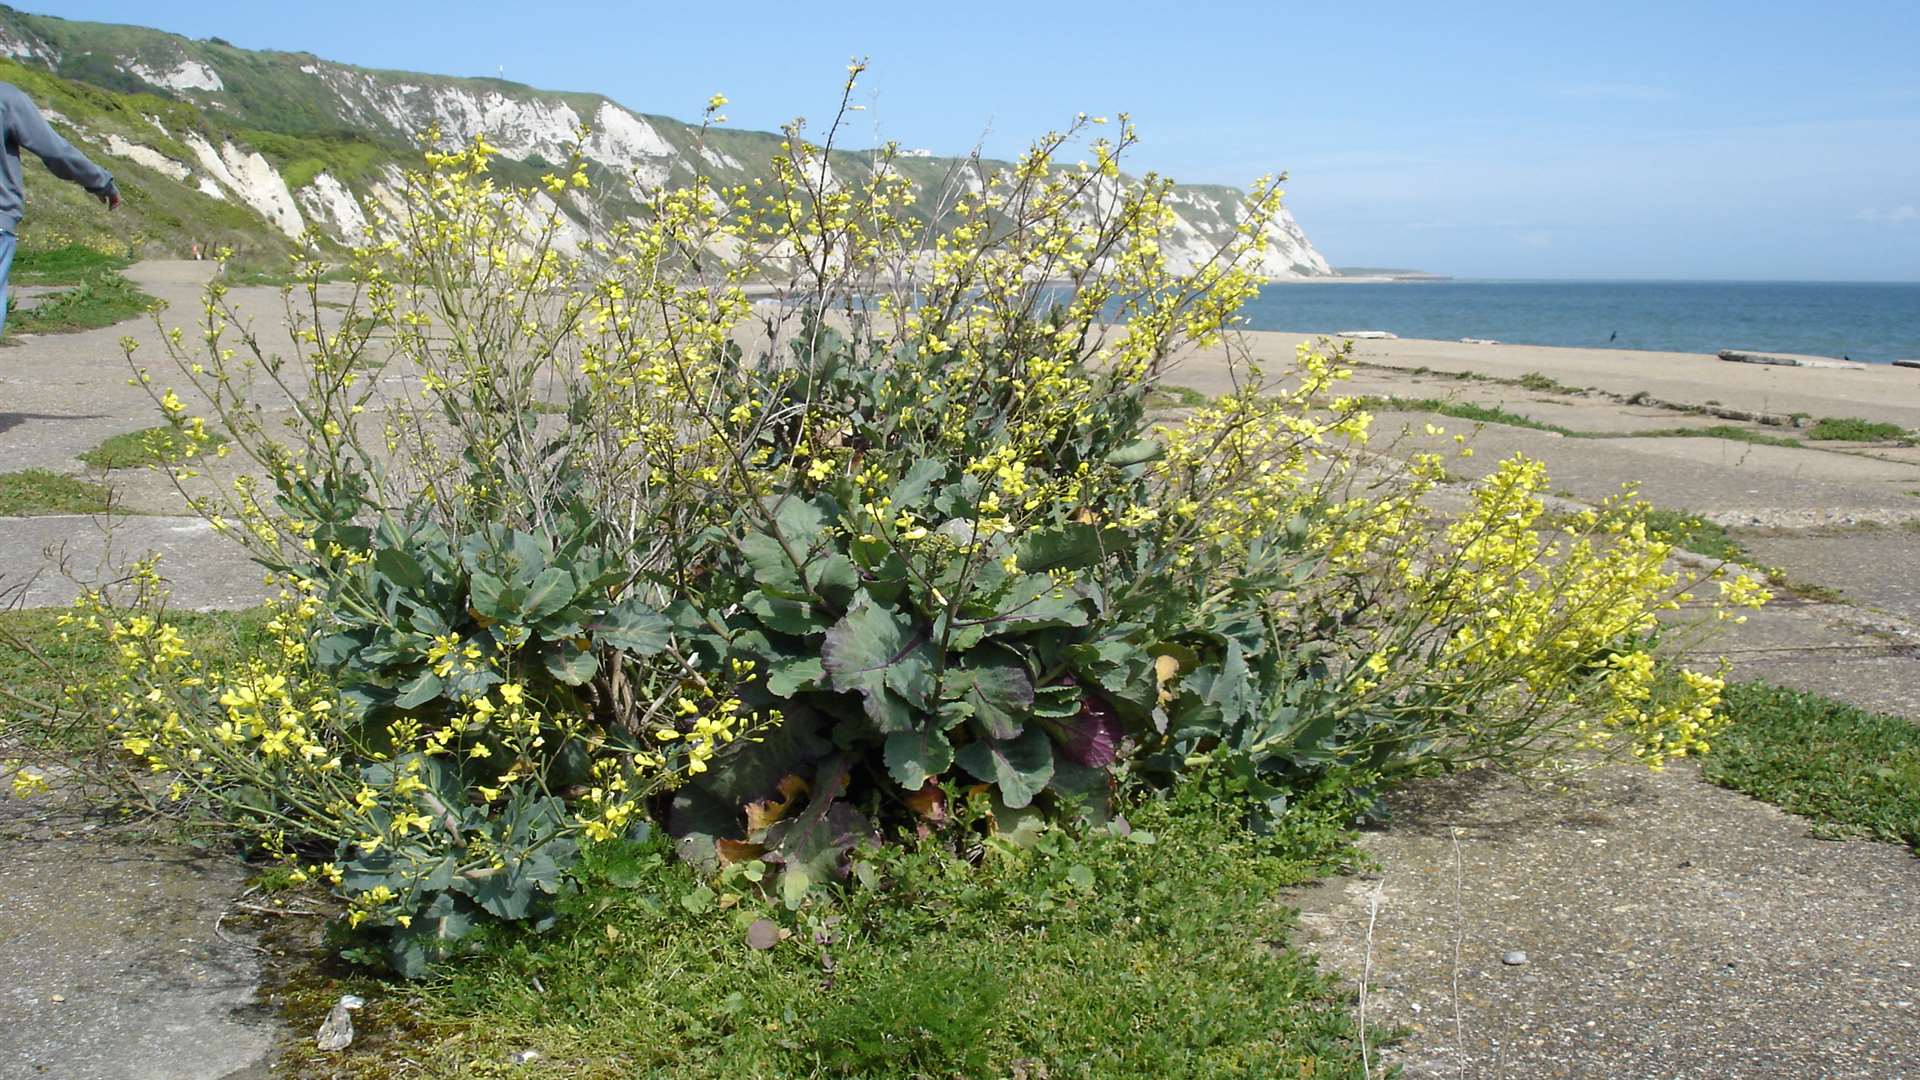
x: 6, y: 268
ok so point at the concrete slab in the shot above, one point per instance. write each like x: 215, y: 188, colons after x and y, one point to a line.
x: 115, y: 967
x: 1670, y: 928
x: 1878, y: 568
x: 58, y: 552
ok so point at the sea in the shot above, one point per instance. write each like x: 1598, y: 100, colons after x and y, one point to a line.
x: 1878, y: 323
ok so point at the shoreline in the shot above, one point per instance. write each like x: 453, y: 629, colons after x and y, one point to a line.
x: 1878, y: 392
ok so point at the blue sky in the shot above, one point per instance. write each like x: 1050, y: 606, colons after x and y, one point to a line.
x: 1669, y: 140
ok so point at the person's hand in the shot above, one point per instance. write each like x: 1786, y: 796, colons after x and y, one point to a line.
x: 111, y: 197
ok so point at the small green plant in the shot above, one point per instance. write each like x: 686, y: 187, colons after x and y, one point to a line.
x: 1780, y: 579
x: 41, y: 491
x: 1172, y: 396
x: 152, y: 446
x: 1546, y: 384
x: 1854, y: 773
x: 1696, y: 534
x: 1854, y: 429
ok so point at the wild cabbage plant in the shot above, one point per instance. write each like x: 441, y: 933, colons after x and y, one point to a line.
x: 785, y: 513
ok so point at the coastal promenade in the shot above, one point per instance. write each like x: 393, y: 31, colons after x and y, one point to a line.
x: 1670, y: 928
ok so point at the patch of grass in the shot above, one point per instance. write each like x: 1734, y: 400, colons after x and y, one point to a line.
x: 67, y: 265
x: 1170, y: 396
x: 1160, y: 954
x: 1695, y: 533
x: 1855, y: 773
x: 102, y: 298
x: 1721, y: 431
x: 1854, y: 429
x: 134, y: 449
x: 1461, y: 410
x: 39, y: 657
x: 1702, y: 537
x: 31, y: 492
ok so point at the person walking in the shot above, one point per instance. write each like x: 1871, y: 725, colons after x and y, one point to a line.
x: 25, y: 129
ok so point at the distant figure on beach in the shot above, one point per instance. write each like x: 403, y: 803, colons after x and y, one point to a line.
x: 1612, y: 337
x: 196, y: 251
x: 26, y: 129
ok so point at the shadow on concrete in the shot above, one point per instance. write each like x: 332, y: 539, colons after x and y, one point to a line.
x: 11, y: 420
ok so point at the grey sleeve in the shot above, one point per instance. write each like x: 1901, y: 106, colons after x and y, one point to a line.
x: 31, y: 131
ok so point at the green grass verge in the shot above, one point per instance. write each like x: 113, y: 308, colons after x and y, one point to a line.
x: 1162, y: 954
x: 1853, y: 772
x: 135, y: 449
x: 41, y: 491
x: 39, y: 658
x: 69, y: 265
x: 1854, y: 429
x: 102, y: 298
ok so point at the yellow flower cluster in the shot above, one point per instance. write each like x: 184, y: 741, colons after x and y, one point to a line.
x: 1500, y: 627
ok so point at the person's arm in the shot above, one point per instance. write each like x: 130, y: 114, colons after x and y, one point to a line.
x: 32, y: 132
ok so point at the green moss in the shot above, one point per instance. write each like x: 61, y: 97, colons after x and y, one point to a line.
x: 1170, y: 396
x: 30, y: 492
